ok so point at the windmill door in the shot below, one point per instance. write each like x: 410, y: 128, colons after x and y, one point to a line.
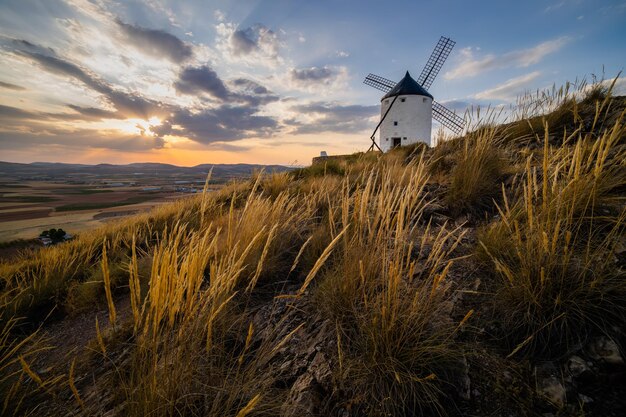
x: 396, y: 142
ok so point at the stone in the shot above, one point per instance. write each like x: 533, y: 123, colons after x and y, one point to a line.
x: 304, y: 398
x: 577, y: 366
x: 552, y: 390
x: 549, y: 386
x: 606, y: 349
x: 320, y: 368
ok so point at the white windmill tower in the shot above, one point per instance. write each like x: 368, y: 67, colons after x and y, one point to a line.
x: 410, y: 121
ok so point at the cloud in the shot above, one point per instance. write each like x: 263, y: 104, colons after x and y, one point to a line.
x: 8, y: 112
x: 219, y: 15
x: 250, y: 85
x: 319, y: 79
x: 554, y: 6
x: 193, y: 80
x: 558, y: 5
x: 203, y: 80
x: 342, y: 54
x: 157, y: 43
x: 313, y: 74
x: 226, y: 123
x: 15, y: 116
x: 236, y: 118
x: 256, y: 45
x: 242, y: 42
x: 95, y: 113
x: 332, y: 117
x: 10, y: 86
x: 128, y: 104
x: 470, y: 65
x: 251, y: 93
x: 78, y: 139
x: 510, y: 89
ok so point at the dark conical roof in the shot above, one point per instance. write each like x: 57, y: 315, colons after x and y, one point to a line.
x: 407, y: 87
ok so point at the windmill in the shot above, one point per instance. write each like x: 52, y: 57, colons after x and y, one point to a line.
x: 411, y: 120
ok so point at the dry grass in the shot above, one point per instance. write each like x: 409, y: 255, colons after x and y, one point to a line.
x: 388, y: 293
x: 475, y: 178
x: 354, y: 235
x: 553, y: 247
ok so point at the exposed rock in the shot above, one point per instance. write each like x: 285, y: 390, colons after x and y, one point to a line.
x: 552, y: 390
x: 606, y: 349
x: 549, y: 386
x: 307, y: 394
x: 577, y: 366
x: 300, y: 362
x: 305, y: 398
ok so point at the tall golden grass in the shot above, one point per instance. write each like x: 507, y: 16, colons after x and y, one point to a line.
x: 356, y: 237
x: 553, y: 247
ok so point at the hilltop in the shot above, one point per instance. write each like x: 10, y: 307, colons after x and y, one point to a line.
x: 485, y: 276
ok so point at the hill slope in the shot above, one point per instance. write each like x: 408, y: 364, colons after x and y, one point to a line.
x: 483, y: 277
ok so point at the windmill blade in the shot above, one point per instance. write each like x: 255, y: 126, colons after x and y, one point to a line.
x: 379, y: 83
x: 435, y: 62
x: 448, y: 118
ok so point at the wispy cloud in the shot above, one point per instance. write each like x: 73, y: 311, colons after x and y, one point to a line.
x: 332, y: 117
x: 10, y: 86
x: 257, y: 44
x: 560, y: 4
x: 471, y: 65
x: 156, y: 42
x: 510, y: 89
x: 319, y: 80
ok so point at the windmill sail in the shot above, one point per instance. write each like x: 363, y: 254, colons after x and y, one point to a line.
x: 435, y: 62
x: 448, y: 118
x: 379, y: 83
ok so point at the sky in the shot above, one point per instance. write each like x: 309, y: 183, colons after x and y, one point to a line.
x: 269, y: 81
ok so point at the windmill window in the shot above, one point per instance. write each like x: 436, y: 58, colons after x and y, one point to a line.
x: 424, y: 100
x: 387, y: 101
x: 387, y: 139
x: 403, y: 138
x: 395, y: 123
x: 403, y: 100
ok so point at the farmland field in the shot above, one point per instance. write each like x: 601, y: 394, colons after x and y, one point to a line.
x: 30, y: 207
x: 39, y: 196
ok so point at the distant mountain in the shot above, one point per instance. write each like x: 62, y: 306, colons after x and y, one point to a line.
x: 54, y: 169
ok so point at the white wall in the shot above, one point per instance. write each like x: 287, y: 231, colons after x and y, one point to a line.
x: 414, y: 117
